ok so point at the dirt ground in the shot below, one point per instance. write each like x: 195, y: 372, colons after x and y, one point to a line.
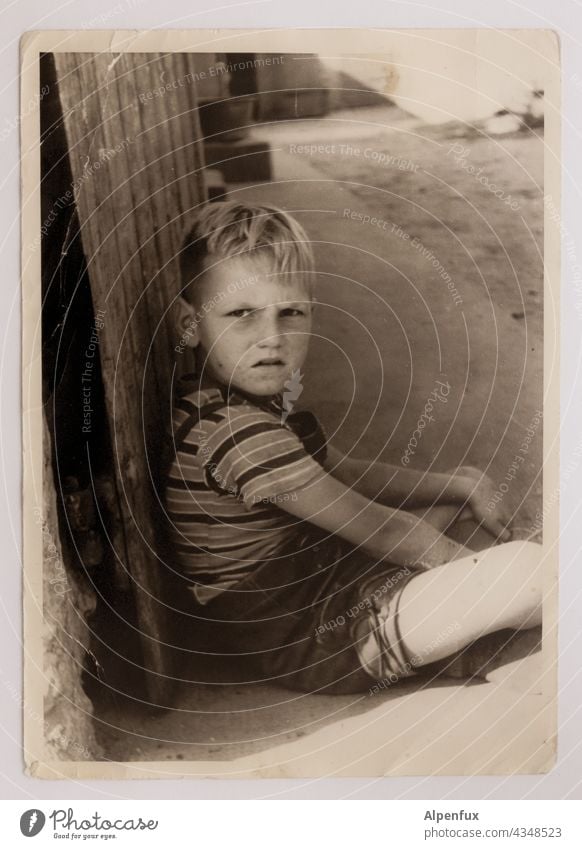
x: 390, y: 324
x: 424, y: 275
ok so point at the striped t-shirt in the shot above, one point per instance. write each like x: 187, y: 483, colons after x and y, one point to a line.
x: 233, y: 460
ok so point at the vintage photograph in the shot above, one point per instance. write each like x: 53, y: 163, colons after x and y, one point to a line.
x: 290, y: 402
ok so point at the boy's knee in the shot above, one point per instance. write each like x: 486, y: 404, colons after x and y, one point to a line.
x: 524, y: 552
x: 519, y: 557
x: 521, y: 548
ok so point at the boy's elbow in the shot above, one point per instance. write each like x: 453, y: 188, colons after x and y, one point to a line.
x: 386, y: 544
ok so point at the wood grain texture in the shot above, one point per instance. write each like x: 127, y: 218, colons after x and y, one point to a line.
x: 137, y: 166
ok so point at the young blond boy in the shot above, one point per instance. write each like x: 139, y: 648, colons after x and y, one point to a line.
x: 308, y: 564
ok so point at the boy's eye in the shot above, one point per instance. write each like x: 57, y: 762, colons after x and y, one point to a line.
x: 292, y: 311
x: 286, y: 312
x: 241, y: 313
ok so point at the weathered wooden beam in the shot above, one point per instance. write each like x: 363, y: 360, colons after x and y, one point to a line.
x: 136, y: 159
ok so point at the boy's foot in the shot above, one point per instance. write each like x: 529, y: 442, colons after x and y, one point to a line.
x: 527, y: 533
x: 467, y: 532
x: 486, y: 654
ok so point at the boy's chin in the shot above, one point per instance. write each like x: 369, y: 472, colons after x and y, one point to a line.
x: 262, y: 387
x: 262, y: 390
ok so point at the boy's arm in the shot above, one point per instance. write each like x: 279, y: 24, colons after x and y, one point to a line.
x: 412, y: 488
x: 395, y: 486
x: 387, y: 534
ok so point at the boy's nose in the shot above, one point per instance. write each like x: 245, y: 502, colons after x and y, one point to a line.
x: 270, y: 332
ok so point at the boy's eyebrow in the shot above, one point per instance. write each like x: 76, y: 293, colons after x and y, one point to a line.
x: 244, y: 305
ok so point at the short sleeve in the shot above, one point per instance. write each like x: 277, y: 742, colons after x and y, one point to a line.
x: 252, y: 455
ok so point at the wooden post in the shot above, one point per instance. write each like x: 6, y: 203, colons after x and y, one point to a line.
x: 134, y: 146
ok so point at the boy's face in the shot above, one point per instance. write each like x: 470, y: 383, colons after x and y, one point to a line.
x: 251, y: 325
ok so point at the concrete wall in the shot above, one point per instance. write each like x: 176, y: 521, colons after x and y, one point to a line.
x: 68, y: 599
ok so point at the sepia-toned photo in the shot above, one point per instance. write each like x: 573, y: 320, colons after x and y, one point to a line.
x: 290, y: 402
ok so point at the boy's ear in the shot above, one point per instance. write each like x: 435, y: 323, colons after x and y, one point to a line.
x: 186, y: 323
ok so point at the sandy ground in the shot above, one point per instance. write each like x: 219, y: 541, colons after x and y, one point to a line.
x: 444, y: 285
x: 389, y: 326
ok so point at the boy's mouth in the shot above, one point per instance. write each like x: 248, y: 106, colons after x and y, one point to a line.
x: 268, y: 361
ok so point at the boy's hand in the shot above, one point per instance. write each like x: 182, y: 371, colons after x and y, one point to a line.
x: 494, y: 519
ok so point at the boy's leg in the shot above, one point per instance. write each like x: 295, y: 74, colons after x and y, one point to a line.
x: 501, y: 588
x: 439, y: 612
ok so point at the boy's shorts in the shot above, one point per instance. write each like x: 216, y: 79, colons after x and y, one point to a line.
x: 313, y: 619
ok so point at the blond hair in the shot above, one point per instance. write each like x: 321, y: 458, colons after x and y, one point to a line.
x: 235, y: 228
